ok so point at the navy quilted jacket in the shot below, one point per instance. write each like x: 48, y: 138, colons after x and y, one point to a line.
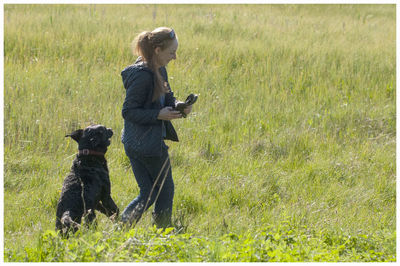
x: 142, y: 131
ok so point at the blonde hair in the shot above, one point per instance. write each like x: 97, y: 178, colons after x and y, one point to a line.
x: 145, y: 44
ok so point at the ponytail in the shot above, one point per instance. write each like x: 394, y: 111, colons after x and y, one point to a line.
x: 143, y: 46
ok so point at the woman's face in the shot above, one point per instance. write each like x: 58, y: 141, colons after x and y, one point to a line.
x: 164, y: 56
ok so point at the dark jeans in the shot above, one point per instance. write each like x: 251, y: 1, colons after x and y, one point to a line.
x: 151, y: 173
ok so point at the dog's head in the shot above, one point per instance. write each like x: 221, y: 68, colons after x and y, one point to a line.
x: 94, y: 137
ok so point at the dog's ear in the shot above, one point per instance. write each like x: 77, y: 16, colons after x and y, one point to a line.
x: 76, y: 135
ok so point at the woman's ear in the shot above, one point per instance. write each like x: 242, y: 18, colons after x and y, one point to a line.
x: 157, y: 50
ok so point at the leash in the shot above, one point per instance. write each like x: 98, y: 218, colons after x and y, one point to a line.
x: 191, y: 99
x: 78, y: 175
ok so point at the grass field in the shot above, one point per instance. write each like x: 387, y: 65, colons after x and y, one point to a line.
x: 289, y: 154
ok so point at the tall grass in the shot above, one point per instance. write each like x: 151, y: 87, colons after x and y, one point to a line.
x: 295, y: 117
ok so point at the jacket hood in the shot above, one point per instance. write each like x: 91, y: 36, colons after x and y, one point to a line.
x: 128, y: 72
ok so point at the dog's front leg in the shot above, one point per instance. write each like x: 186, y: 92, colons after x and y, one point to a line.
x: 110, y: 207
x: 91, y: 200
x: 101, y: 208
x: 90, y: 216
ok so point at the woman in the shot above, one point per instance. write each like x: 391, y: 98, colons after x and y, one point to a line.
x: 147, y: 112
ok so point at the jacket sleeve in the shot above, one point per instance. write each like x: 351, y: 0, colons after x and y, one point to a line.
x: 170, y: 100
x: 138, y: 86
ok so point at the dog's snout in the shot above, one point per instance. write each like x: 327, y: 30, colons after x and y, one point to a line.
x: 110, y: 133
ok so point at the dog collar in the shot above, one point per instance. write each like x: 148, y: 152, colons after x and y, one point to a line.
x: 90, y: 152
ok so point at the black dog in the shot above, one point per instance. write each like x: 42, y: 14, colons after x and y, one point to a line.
x: 87, y: 187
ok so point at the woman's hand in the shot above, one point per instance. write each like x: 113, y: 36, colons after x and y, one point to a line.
x: 168, y: 113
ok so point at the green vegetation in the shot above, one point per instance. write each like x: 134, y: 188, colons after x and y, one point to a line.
x: 295, y: 121
x: 272, y: 244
